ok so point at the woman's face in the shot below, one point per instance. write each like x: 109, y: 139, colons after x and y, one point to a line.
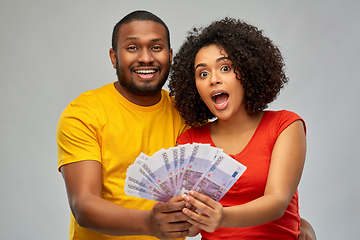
x: 217, y: 84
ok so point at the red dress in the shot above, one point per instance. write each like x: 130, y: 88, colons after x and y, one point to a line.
x: 251, y: 185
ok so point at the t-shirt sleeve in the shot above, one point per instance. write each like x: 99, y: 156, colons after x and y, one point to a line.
x: 77, y: 135
x: 185, y: 137
x: 286, y: 118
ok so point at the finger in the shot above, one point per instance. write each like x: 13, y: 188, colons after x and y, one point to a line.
x: 302, y: 236
x: 201, y: 206
x: 189, y: 206
x: 194, y: 215
x: 203, y: 198
x: 213, y: 211
x: 177, y: 217
x: 177, y: 198
x: 169, y: 207
x: 202, y: 221
x: 177, y: 226
x: 168, y: 225
x: 206, y: 204
x: 175, y: 235
x: 198, y: 220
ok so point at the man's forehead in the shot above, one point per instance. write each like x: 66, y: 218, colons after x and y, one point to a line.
x: 142, y: 30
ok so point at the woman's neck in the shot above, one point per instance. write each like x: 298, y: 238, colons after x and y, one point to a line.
x: 234, y: 134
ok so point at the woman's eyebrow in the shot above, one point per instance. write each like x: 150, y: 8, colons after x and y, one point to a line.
x: 222, y: 59
x: 217, y: 60
x: 200, y: 65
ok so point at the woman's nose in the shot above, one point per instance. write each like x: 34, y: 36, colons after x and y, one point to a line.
x: 215, y: 79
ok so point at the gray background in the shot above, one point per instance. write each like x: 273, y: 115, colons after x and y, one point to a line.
x: 52, y: 51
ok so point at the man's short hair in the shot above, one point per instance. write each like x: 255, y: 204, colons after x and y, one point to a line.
x: 139, y: 15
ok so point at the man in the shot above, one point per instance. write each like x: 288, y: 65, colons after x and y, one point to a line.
x: 102, y: 132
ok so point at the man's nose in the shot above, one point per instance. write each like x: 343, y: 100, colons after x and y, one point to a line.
x: 145, y: 56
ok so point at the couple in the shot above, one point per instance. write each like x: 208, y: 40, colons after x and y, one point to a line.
x: 227, y: 70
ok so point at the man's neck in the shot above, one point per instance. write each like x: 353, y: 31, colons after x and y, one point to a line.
x: 144, y: 101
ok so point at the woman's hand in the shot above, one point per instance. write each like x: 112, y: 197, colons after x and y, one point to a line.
x: 209, y: 213
x: 193, y: 230
x: 179, y: 198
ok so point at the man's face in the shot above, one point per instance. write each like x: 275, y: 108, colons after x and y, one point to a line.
x: 143, y: 58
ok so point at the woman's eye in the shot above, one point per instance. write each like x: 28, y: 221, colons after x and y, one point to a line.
x: 203, y: 74
x: 225, y: 68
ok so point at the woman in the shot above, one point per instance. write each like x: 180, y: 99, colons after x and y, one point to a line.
x: 223, y: 79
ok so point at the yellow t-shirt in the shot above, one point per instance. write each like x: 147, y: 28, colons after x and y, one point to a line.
x: 102, y: 125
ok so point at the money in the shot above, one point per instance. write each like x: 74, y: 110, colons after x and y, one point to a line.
x: 199, y: 161
x: 178, y: 170
x: 220, y: 177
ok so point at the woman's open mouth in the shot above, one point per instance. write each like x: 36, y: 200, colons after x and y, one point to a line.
x: 220, y: 99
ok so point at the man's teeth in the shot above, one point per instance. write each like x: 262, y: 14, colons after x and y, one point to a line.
x: 145, y: 71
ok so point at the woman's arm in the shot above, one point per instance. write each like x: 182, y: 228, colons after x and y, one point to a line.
x: 285, y: 171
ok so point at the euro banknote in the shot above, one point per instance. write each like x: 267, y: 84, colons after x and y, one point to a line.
x: 179, y: 169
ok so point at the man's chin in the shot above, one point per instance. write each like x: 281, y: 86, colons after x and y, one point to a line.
x: 142, y: 88
x: 145, y: 91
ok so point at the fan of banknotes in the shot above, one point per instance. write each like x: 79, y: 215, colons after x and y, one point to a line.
x: 178, y: 170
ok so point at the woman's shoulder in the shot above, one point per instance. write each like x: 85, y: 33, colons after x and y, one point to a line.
x: 281, y: 119
x: 198, y: 134
x: 280, y: 113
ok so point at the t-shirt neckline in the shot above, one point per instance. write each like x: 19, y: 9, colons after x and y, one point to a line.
x: 250, y: 141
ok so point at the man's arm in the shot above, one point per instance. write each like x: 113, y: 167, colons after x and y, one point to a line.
x: 306, y: 231
x: 84, y: 186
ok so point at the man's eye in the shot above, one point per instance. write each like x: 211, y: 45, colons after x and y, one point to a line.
x: 203, y: 74
x: 157, y: 48
x: 132, y: 48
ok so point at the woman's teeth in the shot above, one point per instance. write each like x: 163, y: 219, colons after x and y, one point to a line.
x: 220, y: 98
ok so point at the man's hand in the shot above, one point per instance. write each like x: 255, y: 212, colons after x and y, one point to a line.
x: 306, y: 231
x: 167, y: 220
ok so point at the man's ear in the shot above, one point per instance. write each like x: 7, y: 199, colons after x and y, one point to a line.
x: 112, y: 54
x: 171, y: 55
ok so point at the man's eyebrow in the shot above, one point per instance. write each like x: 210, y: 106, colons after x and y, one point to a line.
x: 217, y: 60
x: 131, y: 38
x: 157, y: 40
x: 152, y: 40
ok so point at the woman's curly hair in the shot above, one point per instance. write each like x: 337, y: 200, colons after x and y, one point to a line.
x: 253, y: 55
